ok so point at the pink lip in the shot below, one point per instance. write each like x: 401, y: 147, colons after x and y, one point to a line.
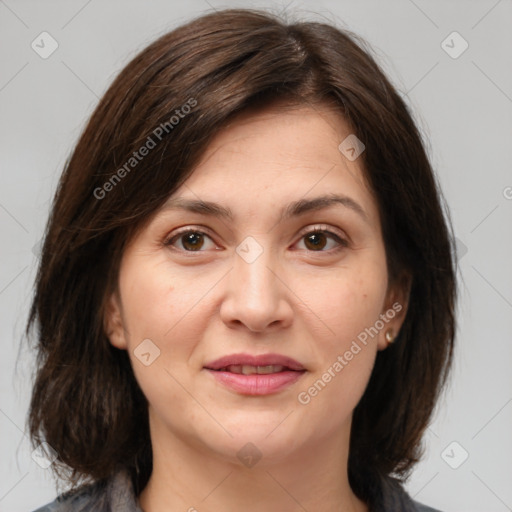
x: 256, y: 384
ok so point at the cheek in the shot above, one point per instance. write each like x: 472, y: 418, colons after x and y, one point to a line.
x: 147, y: 301
x: 149, y: 294
x: 165, y: 306
x: 157, y: 305
x: 345, y: 304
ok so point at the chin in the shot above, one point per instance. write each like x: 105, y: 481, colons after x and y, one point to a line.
x: 262, y: 436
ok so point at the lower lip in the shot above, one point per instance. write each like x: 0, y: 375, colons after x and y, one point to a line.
x: 257, y: 384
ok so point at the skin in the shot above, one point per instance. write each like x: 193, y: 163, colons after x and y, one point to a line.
x: 305, y: 301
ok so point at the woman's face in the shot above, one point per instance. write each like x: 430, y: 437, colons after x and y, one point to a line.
x: 272, y: 248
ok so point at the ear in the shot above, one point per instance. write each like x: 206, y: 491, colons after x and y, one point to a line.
x: 394, y: 310
x: 113, y: 322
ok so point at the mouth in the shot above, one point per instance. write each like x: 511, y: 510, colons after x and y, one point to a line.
x: 264, y: 363
x: 246, y: 369
x: 255, y: 375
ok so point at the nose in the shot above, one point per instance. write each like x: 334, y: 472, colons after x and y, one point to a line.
x: 256, y: 298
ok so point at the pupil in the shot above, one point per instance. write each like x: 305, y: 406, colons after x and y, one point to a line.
x: 193, y: 241
x: 317, y: 240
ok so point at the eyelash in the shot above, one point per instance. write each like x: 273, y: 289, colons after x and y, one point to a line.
x: 342, y: 242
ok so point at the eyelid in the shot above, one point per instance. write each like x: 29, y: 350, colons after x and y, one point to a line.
x: 191, y: 228
x: 330, y: 230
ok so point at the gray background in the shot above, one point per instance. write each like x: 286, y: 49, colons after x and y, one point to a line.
x: 464, y: 106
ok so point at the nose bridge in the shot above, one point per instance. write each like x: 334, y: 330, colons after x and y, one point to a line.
x: 252, y: 271
x: 255, y: 297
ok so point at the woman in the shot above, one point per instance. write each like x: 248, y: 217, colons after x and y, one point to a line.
x: 246, y: 292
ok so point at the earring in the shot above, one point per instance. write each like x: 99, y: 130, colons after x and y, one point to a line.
x: 389, y: 336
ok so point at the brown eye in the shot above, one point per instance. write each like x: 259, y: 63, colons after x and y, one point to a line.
x: 315, y: 241
x: 191, y: 240
x: 322, y: 240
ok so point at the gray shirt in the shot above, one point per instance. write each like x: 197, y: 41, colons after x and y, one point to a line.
x: 116, y: 495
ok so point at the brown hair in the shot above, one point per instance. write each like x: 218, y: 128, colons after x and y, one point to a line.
x: 86, y: 402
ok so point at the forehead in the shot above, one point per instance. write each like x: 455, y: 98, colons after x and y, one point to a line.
x: 276, y: 155
x: 280, y: 136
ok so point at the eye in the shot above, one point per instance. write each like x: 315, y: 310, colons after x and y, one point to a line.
x: 322, y: 240
x: 191, y: 240
x: 315, y: 240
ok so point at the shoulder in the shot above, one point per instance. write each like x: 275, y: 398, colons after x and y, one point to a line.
x: 394, y: 498
x: 423, y: 508
x: 115, y: 494
x: 83, y: 499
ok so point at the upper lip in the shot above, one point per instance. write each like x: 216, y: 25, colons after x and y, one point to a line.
x: 251, y: 360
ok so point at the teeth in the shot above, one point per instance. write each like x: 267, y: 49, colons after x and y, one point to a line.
x: 251, y: 370
x: 272, y: 368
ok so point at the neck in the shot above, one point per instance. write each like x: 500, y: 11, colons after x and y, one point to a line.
x: 194, y: 478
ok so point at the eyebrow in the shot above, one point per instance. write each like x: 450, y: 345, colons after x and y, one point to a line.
x: 293, y: 209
